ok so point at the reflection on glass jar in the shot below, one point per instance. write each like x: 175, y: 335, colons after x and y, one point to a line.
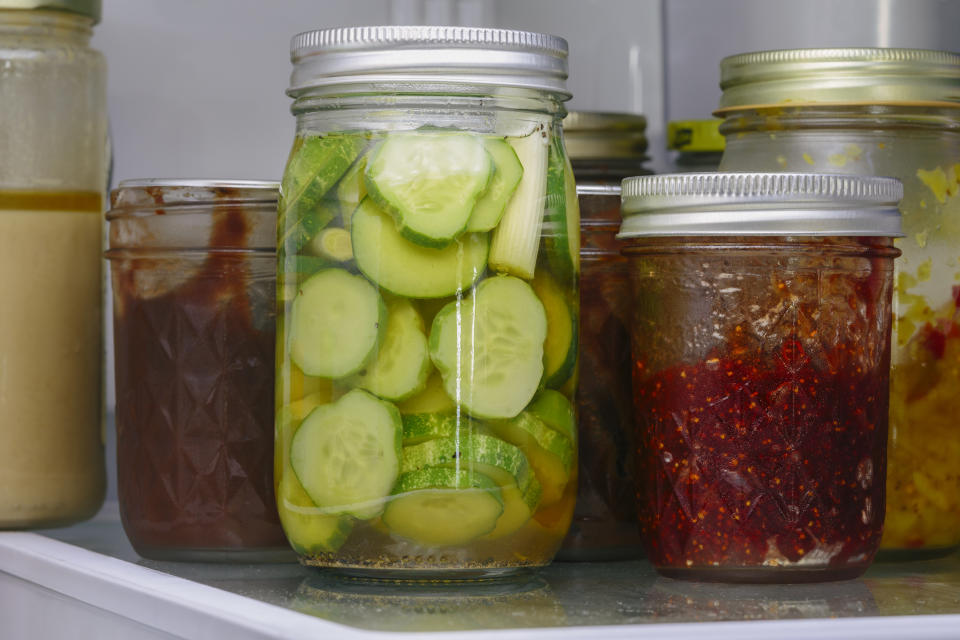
x: 193, y: 269
x: 761, y: 344
x: 429, y: 257
x: 604, y: 148
x: 886, y: 112
x: 53, y: 175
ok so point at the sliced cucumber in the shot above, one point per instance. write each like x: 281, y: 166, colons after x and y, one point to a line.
x: 310, y: 533
x: 332, y: 245
x: 555, y: 411
x: 561, y: 226
x: 502, y: 462
x: 516, y: 240
x: 507, y: 173
x: 519, y: 505
x: 549, y: 452
x: 489, y: 347
x: 294, y: 384
x: 441, y: 507
x: 429, y: 182
x: 407, y: 269
x: 421, y: 427
x: 337, y: 321
x: 351, y: 190
x: 315, y: 165
x: 560, y: 347
x: 432, y: 400
x: 402, y: 364
x: 346, y: 455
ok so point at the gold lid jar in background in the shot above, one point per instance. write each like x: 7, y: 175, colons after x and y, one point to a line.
x: 697, y: 144
x: 605, y: 145
x: 53, y: 175
x: 891, y: 112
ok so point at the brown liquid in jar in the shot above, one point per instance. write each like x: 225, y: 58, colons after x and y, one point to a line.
x: 195, y: 376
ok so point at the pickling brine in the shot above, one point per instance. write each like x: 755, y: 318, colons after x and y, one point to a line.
x: 427, y: 344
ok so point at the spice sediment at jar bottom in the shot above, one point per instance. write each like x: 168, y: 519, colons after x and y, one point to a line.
x: 427, y: 335
x: 761, y: 365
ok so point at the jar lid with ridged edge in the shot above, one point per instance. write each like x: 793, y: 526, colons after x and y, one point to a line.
x: 90, y: 8
x: 434, y: 54
x: 793, y: 77
x: 603, y: 134
x: 755, y: 204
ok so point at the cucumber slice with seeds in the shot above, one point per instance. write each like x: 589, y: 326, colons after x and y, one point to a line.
x: 402, y: 363
x: 507, y: 173
x: 406, y: 269
x: 336, y: 322
x: 309, y: 532
x: 549, y: 452
x: 516, y: 240
x: 429, y: 182
x: 440, y: 507
x: 489, y: 347
x: 346, y: 455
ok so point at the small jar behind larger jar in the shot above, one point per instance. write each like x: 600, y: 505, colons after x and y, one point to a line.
x: 604, y: 149
x: 193, y: 267
x: 761, y: 351
x: 53, y: 176
x: 429, y: 254
x: 892, y: 112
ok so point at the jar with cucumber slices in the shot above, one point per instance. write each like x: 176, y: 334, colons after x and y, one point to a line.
x: 428, y: 246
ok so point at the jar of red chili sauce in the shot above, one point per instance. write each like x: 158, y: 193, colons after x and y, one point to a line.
x: 761, y: 349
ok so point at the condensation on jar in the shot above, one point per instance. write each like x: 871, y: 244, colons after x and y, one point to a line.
x: 427, y: 338
x: 604, y: 149
x: 193, y: 269
x: 891, y: 112
x: 761, y: 343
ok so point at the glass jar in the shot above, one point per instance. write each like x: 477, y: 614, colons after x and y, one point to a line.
x: 193, y: 266
x: 761, y: 350
x: 886, y: 112
x: 53, y: 175
x: 429, y: 257
x: 697, y: 144
x: 604, y: 148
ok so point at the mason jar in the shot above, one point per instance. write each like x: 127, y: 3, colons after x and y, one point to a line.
x: 604, y: 149
x: 761, y: 351
x: 893, y: 112
x: 193, y: 267
x: 428, y: 256
x: 53, y: 176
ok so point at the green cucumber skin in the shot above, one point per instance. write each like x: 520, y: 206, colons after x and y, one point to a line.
x: 350, y: 406
x: 308, y: 531
x: 560, y: 309
x: 548, y: 439
x: 468, y: 448
x: 405, y: 269
x: 340, y: 332
x: 421, y: 427
x: 408, y: 217
x: 561, y: 225
x: 443, y: 478
x: 555, y: 410
x: 506, y: 176
x: 404, y: 333
x: 315, y: 166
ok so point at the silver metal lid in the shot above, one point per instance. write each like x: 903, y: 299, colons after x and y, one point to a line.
x: 768, y: 204
x: 89, y: 8
x: 851, y: 75
x: 598, y: 134
x: 455, y: 55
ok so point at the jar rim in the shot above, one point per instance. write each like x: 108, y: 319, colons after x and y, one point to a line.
x: 432, y: 54
x: 162, y: 193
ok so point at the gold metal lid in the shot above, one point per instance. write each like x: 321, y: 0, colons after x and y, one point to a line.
x: 89, y: 8
x: 840, y: 76
x: 598, y: 134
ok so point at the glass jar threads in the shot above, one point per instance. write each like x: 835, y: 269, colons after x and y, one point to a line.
x: 892, y: 112
x: 193, y: 267
x: 761, y: 346
x: 604, y: 148
x: 428, y: 265
x: 53, y: 176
